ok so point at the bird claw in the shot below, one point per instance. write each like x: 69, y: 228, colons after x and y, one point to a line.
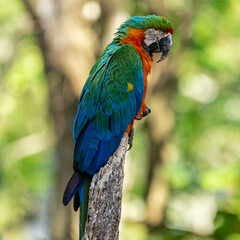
x: 144, y: 113
x: 130, y: 138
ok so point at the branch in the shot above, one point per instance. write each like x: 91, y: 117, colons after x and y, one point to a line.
x: 105, y: 197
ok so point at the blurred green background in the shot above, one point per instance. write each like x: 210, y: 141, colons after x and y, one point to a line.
x: 181, y: 177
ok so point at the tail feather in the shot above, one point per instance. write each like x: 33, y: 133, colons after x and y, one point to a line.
x: 84, y: 206
x: 73, y: 185
x: 78, y: 187
x: 76, y: 202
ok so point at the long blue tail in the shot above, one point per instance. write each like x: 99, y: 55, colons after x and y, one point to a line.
x: 78, y: 187
x: 74, y: 184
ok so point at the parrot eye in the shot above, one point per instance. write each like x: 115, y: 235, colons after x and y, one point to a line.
x: 151, y: 30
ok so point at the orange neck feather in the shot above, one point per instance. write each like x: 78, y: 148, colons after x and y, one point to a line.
x: 135, y: 38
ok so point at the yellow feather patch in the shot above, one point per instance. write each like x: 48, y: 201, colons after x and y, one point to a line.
x: 130, y: 87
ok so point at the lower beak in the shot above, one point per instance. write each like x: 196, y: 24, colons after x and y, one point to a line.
x: 165, y: 45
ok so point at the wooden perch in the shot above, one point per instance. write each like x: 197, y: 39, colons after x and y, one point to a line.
x: 105, y: 197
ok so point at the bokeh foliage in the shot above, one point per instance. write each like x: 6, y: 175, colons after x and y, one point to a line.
x: 200, y: 164
x: 25, y: 125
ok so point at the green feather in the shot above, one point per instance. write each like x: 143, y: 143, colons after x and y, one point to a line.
x: 83, y: 208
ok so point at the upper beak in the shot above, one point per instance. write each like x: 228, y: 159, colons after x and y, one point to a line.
x: 165, y: 45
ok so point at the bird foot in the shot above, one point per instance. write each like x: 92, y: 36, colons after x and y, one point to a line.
x: 130, y: 138
x: 144, y: 113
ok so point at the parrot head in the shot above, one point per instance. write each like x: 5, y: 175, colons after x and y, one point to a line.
x: 153, y: 33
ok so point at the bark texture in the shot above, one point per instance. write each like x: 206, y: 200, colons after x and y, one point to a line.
x: 105, y: 197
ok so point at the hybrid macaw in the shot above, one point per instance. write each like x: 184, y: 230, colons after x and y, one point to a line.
x: 112, y: 98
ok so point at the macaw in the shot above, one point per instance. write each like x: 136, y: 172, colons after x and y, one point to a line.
x: 112, y: 98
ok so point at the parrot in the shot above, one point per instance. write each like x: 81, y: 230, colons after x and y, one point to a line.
x: 112, y: 98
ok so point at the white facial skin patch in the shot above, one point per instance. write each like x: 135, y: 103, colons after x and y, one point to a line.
x: 152, y: 35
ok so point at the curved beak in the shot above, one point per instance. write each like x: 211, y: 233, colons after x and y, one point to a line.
x: 165, y: 45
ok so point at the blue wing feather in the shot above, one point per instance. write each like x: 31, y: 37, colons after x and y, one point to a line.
x: 115, y: 122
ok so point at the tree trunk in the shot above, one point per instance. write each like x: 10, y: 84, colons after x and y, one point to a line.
x: 105, y: 197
